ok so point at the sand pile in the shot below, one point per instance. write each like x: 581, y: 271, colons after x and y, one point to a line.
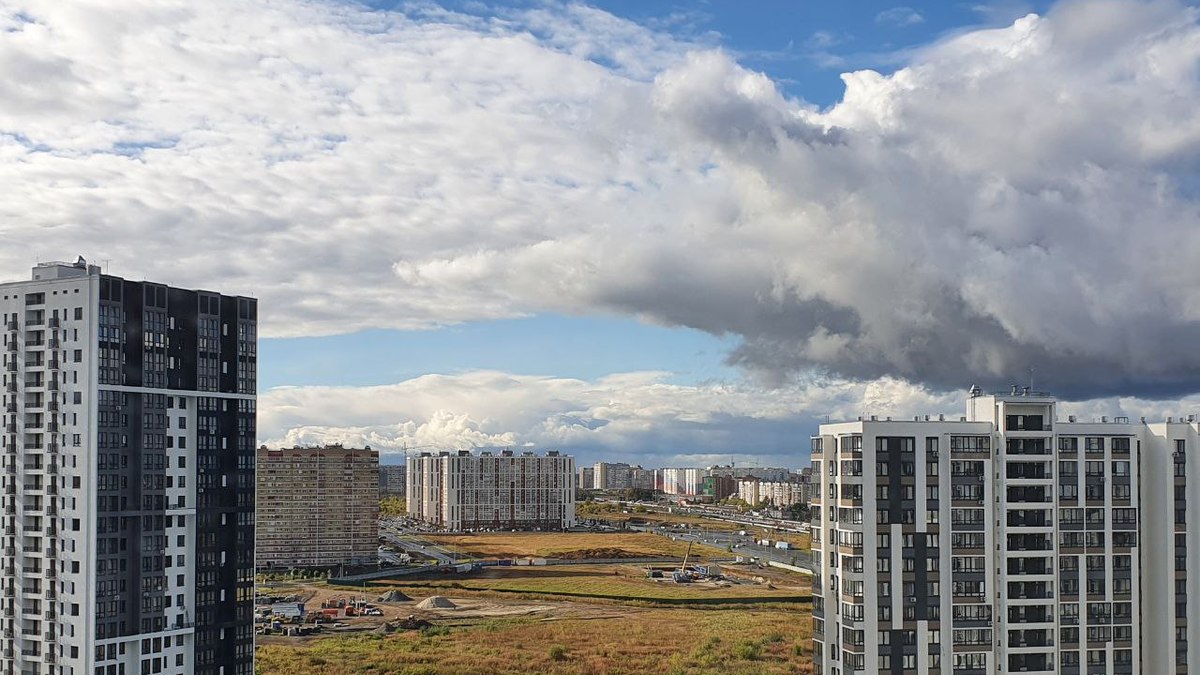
x: 394, y: 595
x: 436, y: 602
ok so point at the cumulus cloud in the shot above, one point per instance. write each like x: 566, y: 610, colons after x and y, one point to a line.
x: 637, y: 417
x: 900, y: 16
x: 1011, y: 197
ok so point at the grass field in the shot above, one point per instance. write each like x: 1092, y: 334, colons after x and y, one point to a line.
x: 623, y: 582
x: 671, y: 641
x: 554, y: 544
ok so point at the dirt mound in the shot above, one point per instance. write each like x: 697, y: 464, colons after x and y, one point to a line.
x: 436, y: 602
x: 394, y: 595
x: 599, y: 554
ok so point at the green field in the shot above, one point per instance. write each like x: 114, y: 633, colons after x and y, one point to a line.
x: 654, y: 641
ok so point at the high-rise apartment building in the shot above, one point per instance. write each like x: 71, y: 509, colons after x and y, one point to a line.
x: 392, y: 480
x: 1002, y: 542
x: 686, y: 482
x: 317, y: 506
x: 462, y: 491
x: 128, y: 469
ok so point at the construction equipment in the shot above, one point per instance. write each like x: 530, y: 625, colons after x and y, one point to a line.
x: 681, y: 575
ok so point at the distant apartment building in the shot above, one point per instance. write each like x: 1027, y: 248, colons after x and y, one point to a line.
x: 719, y: 487
x: 464, y: 491
x: 777, y: 493
x: 1006, y: 541
x: 641, y: 479
x: 127, y: 475
x: 618, y: 476
x: 768, y: 473
x: 317, y: 506
x: 685, y: 482
x: 587, y: 478
x: 392, y: 480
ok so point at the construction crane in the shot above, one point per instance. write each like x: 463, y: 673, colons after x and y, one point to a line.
x: 681, y: 575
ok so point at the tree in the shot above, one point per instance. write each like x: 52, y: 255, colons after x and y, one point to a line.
x: 637, y: 494
x: 798, y: 512
x: 392, y: 507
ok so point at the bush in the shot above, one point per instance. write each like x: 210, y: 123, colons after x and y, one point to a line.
x: 774, y: 638
x: 748, y: 651
x: 558, y: 653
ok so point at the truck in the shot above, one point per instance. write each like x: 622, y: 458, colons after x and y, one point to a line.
x: 783, y: 545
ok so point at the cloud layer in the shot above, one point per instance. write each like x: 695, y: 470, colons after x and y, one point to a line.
x: 634, y: 417
x: 1011, y: 198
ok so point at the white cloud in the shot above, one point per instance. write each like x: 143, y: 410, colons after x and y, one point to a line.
x: 900, y: 16
x: 1012, y: 197
x: 637, y: 417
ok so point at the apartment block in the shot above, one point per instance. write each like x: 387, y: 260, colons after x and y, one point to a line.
x: 317, y: 506
x: 1006, y: 541
x: 128, y: 465
x: 463, y: 491
x: 392, y: 480
x: 685, y: 482
x: 777, y: 493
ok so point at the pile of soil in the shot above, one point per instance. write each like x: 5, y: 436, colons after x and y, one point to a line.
x: 436, y: 602
x: 599, y: 554
x: 394, y: 595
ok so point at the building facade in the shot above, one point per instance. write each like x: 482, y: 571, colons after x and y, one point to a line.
x: 463, y: 491
x: 587, y: 478
x: 128, y: 493
x: 392, y: 480
x: 1005, y: 541
x: 684, y: 482
x: 719, y: 487
x: 780, y: 494
x: 317, y: 507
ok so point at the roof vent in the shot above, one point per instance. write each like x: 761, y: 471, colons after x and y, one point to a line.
x: 1070, y: 418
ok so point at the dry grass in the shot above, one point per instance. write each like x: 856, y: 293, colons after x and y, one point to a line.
x: 624, y: 582
x: 672, y: 641
x: 554, y: 544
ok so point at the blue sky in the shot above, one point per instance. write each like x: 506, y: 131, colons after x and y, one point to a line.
x: 656, y: 232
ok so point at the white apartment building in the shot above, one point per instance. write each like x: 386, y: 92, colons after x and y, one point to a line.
x: 463, y: 491
x: 127, y: 476
x: 779, y: 493
x: 686, y: 482
x: 1004, y: 541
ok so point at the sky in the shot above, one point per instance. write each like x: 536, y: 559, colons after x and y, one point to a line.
x: 663, y: 233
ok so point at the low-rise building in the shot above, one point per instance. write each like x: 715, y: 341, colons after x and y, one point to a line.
x: 317, y: 506
x: 463, y: 491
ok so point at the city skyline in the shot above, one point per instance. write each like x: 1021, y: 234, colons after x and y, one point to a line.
x: 658, y: 235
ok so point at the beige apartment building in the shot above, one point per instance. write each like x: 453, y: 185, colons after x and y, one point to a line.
x: 462, y: 491
x: 317, y: 506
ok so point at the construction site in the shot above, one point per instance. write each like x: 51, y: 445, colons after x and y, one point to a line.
x: 545, y: 602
